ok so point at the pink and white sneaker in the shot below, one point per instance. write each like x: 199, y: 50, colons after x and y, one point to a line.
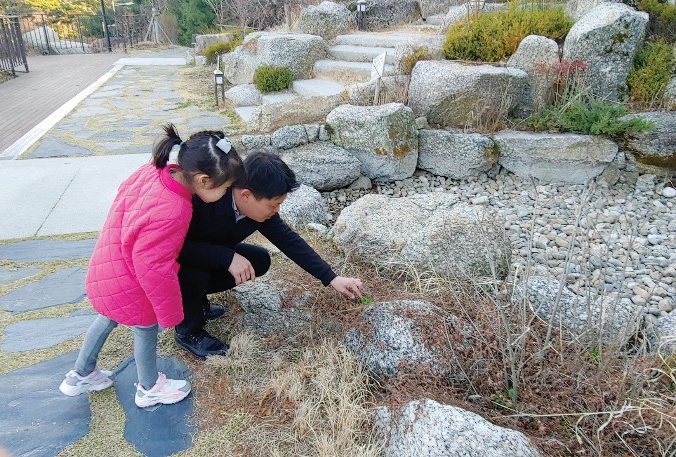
x: 165, y: 391
x: 74, y: 384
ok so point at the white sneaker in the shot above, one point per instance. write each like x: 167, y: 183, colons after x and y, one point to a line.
x: 74, y: 384
x: 165, y: 391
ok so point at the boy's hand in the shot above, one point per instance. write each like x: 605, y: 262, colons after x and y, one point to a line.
x: 348, y: 287
x: 241, y: 269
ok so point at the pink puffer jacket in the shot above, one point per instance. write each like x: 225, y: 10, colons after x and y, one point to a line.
x: 132, y: 277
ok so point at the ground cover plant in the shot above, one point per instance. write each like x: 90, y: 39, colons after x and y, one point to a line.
x: 491, y: 37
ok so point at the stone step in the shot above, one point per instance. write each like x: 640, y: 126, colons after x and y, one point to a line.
x: 339, y: 70
x: 279, y: 97
x: 314, y: 87
x: 245, y: 112
x: 353, y: 53
x: 379, y: 40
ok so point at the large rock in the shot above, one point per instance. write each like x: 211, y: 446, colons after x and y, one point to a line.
x: 204, y: 41
x: 431, y: 429
x: 433, y: 7
x: 327, y: 20
x: 428, y: 232
x: 323, y: 165
x: 455, y: 155
x: 244, y: 95
x: 393, y: 87
x: 303, y: 206
x: 430, y: 44
x: 537, y: 56
x: 613, y: 319
x: 607, y: 39
x: 655, y: 148
x: 306, y: 110
x: 577, y: 9
x: 452, y: 94
x: 289, y: 137
x: 383, y: 14
x: 554, y: 157
x: 384, y: 138
x: 399, y: 337
x: 663, y: 335
x: 296, y: 51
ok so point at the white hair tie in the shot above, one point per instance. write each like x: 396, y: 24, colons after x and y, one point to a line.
x: 224, y: 145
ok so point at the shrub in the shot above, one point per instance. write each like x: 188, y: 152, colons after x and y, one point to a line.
x: 269, y: 78
x: 662, y: 18
x: 495, y: 36
x: 213, y: 51
x: 651, y: 73
x: 408, y: 62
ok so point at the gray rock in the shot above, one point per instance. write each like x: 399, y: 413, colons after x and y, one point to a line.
x: 383, y: 138
x: 385, y: 14
x: 577, y: 9
x: 265, y: 313
x: 562, y: 157
x: 615, y: 321
x: 156, y: 431
x: 8, y: 275
x: 431, y: 44
x: 393, y: 88
x: 431, y: 232
x: 537, y: 56
x: 254, y: 142
x: 323, y: 133
x: 37, y: 419
x: 289, y: 137
x: 244, y: 95
x: 655, y: 147
x: 645, y: 183
x: 434, y: 7
x: 204, y: 41
x: 610, y: 175
x: 607, y: 39
x: 312, y: 131
x: 33, y: 334
x: 239, y: 65
x: 306, y: 110
x: 61, y: 287
x: 303, y: 206
x: 390, y: 338
x: 452, y: 94
x: 296, y: 51
x: 663, y: 337
x: 455, y: 14
x: 430, y: 429
x: 323, y: 165
x: 455, y: 155
x: 669, y: 95
x: 327, y: 20
x: 56, y: 147
x: 362, y: 182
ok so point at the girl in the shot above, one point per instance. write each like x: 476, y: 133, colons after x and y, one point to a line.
x: 132, y: 277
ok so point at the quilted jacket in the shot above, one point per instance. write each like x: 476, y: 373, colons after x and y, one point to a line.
x: 132, y: 276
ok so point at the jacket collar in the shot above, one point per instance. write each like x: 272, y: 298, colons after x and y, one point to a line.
x: 173, y: 185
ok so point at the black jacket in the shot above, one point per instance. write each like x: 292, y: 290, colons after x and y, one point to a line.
x: 213, y: 234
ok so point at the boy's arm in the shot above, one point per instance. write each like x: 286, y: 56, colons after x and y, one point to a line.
x: 295, y: 248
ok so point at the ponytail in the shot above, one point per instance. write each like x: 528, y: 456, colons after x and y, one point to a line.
x: 163, y: 146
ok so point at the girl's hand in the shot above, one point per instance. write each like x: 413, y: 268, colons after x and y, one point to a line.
x: 241, y: 269
x: 348, y: 287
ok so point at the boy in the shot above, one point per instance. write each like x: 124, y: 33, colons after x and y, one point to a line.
x: 214, y: 259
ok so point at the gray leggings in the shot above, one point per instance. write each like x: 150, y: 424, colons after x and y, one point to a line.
x: 145, y: 349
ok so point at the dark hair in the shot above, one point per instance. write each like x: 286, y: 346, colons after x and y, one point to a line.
x: 268, y: 176
x: 199, y: 154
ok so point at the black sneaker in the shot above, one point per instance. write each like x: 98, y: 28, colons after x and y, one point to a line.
x: 201, y: 344
x: 214, y: 312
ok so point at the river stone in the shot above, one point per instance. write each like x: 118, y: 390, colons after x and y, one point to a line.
x: 10, y: 275
x: 455, y: 155
x: 58, y: 288
x: 323, y: 165
x: 607, y: 39
x: 37, y: 419
x: 615, y: 321
x: 554, y: 157
x: 47, y: 250
x: 454, y: 94
x: 33, y: 334
x: 327, y: 20
x: 431, y: 429
x: 156, y: 431
x: 303, y: 206
x: 429, y: 232
x: 384, y: 138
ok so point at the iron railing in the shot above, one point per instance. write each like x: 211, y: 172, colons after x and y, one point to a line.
x: 12, y: 47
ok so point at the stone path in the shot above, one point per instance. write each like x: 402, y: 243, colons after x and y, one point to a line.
x: 38, y: 282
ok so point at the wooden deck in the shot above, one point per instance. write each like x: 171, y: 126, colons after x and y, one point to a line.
x: 52, y: 80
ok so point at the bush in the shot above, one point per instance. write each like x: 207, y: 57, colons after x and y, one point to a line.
x: 651, y: 73
x: 269, y: 78
x: 408, y: 62
x: 495, y: 36
x: 662, y: 18
x: 213, y: 51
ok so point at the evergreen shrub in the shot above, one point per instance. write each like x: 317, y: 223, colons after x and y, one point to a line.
x: 268, y: 78
x: 653, y: 66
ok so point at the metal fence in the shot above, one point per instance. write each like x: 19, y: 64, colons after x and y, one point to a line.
x: 81, y: 34
x: 12, y: 49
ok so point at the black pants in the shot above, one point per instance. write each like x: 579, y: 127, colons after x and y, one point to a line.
x: 197, y: 282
